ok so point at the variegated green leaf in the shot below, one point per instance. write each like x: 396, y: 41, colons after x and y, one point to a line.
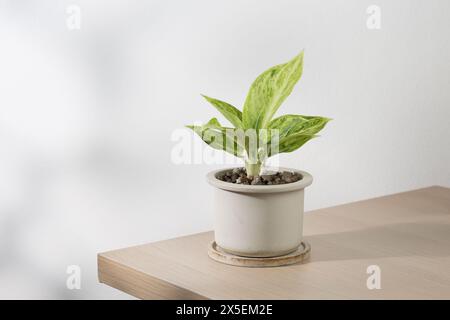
x: 231, y: 113
x: 292, y: 142
x: 268, y: 92
x: 291, y: 123
x: 220, y: 138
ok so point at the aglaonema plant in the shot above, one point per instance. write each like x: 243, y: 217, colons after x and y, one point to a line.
x: 256, y: 134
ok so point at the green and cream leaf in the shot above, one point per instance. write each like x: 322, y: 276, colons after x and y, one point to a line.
x: 292, y: 142
x: 290, y: 124
x: 230, y: 112
x: 268, y: 92
x: 219, y: 137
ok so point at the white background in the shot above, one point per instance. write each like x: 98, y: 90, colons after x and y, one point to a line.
x: 86, y: 116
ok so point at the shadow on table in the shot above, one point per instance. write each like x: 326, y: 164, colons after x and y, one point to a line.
x: 395, y: 240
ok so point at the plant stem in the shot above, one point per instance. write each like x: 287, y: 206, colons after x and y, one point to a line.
x: 253, y: 169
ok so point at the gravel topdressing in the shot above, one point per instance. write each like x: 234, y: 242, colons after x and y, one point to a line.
x: 239, y: 176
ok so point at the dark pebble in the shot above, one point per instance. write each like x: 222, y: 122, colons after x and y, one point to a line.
x: 257, y: 181
x: 236, y: 171
x: 268, y: 177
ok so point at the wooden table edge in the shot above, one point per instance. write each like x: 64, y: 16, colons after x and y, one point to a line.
x: 139, y: 284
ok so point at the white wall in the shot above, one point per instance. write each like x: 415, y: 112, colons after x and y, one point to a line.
x: 86, y: 116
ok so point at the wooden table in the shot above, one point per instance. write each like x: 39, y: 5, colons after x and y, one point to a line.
x: 407, y: 235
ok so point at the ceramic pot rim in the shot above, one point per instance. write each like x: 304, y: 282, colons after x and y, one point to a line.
x: 298, y: 185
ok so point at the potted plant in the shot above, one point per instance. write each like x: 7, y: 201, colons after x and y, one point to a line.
x: 260, y: 213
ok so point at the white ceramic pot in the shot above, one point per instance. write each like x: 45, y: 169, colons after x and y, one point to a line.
x: 259, y: 220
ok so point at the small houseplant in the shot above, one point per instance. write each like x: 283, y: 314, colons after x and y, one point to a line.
x: 260, y: 214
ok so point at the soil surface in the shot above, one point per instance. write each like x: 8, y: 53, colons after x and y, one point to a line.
x: 239, y: 176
